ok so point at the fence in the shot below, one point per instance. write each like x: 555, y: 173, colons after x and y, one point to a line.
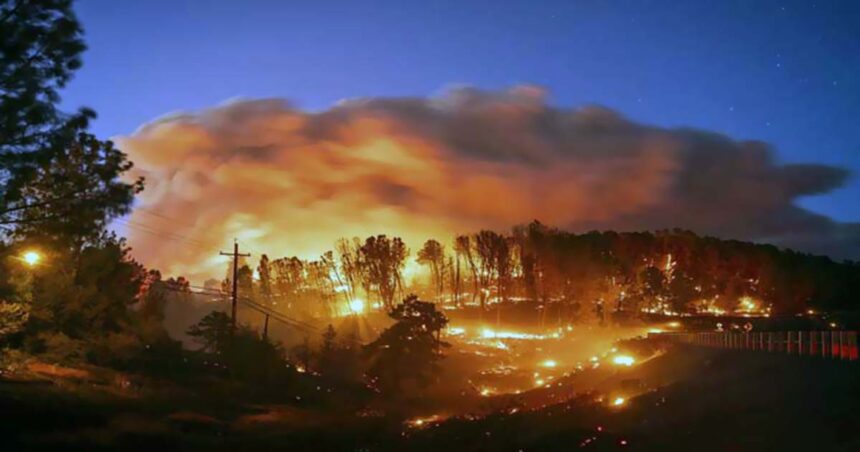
x: 841, y: 345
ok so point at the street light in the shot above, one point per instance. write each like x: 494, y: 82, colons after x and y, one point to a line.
x: 31, y: 258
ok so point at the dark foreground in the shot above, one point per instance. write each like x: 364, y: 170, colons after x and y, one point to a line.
x: 690, y: 399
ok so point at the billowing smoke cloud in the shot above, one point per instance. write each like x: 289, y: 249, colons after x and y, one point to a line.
x: 289, y: 182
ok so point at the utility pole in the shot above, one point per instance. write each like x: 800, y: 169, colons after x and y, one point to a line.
x: 235, y: 297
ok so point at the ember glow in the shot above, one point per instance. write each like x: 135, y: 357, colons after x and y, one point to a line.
x: 420, y: 422
x: 356, y: 305
x: 623, y: 360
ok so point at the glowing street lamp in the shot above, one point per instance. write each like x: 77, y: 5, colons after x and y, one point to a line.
x: 31, y: 258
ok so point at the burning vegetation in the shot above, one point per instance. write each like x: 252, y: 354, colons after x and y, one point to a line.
x: 535, y: 338
x: 603, y: 277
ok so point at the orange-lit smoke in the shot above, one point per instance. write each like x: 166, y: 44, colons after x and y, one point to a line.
x: 289, y: 182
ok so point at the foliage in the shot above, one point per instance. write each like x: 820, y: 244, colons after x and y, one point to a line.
x: 87, y: 294
x: 212, y: 331
x: 59, y: 189
x: 13, y: 318
x: 403, y: 359
x: 302, y: 354
x: 70, y: 198
x: 382, y: 260
x: 57, y: 347
x: 40, y: 50
x: 249, y: 357
x: 243, y: 353
x: 432, y: 254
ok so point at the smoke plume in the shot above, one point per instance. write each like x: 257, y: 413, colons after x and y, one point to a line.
x: 290, y: 182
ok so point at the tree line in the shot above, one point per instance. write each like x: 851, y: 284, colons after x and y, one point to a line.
x: 590, y: 275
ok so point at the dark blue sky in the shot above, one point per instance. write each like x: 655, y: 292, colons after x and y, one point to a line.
x: 785, y: 72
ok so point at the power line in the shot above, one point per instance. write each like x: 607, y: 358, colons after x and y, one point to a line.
x: 159, y: 231
x: 165, y: 234
x: 283, y: 318
x: 162, y: 216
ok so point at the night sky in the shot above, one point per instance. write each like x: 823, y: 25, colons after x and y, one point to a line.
x: 784, y: 72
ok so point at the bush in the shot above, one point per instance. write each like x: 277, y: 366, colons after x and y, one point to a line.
x: 12, y: 360
x: 13, y: 318
x: 57, y: 348
x: 114, y: 349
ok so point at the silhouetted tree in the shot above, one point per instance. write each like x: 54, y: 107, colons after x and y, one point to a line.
x: 265, y: 283
x: 463, y: 248
x: 432, y: 254
x: 212, y: 332
x: 382, y: 260
x: 404, y: 357
x: 40, y: 50
x: 349, y: 253
x: 328, y: 349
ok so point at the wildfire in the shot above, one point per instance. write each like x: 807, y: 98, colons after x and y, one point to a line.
x: 487, y: 333
x: 456, y: 331
x: 623, y: 360
x: 356, y: 305
x: 549, y: 363
x: 420, y: 422
x: 619, y: 401
x: 747, y: 304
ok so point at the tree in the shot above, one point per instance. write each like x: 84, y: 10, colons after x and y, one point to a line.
x: 494, y: 256
x: 328, y: 261
x: 321, y: 286
x: 432, y: 254
x: 41, y: 48
x: 652, y: 286
x: 152, y: 295
x: 405, y: 356
x: 91, y: 293
x: 265, y: 272
x: 382, y: 260
x: 302, y: 355
x: 212, y: 331
x: 245, y: 278
x: 85, y: 177
x: 289, y: 278
x: 349, y: 253
x: 244, y: 354
x: 328, y: 349
x: 463, y: 248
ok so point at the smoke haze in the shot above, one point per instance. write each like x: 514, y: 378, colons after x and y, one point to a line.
x: 290, y: 182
